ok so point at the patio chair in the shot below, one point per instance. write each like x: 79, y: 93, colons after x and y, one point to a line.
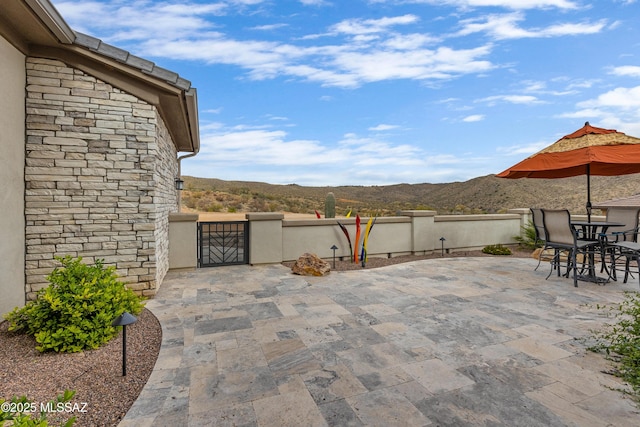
x: 561, y: 237
x: 621, y: 241
x: 538, y: 224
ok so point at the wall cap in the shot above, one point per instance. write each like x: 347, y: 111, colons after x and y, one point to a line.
x: 418, y: 213
x: 344, y: 221
x: 183, y: 217
x: 264, y: 216
x: 482, y: 217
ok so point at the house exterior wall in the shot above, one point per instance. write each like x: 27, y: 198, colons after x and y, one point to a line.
x: 12, y: 138
x: 99, y: 175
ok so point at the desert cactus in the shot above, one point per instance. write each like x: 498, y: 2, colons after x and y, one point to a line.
x: 330, y: 206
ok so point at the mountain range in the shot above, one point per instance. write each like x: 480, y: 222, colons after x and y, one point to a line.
x: 486, y: 194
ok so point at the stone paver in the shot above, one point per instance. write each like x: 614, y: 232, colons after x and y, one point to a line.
x: 445, y: 342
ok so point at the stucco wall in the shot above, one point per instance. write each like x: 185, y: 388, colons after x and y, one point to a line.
x: 274, y: 239
x: 12, y: 119
x: 99, y: 175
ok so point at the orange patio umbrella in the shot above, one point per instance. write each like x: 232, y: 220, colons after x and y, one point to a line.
x: 587, y: 151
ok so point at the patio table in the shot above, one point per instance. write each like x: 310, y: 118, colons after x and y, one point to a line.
x: 591, y: 230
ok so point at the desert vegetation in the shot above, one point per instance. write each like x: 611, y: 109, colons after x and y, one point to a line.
x: 481, y: 195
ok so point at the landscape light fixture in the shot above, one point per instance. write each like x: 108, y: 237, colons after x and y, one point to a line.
x: 333, y: 248
x: 442, y: 239
x: 179, y: 184
x: 123, y: 320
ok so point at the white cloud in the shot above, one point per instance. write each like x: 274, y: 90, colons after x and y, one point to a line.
x: 140, y: 19
x: 615, y: 109
x: 369, y: 26
x: 314, y: 2
x: 242, y: 153
x: 523, y: 150
x: 621, y: 98
x: 474, y: 118
x: 505, y: 26
x: 511, y: 99
x: 507, y: 4
x: 268, y: 27
x: 364, y: 50
x: 383, y: 127
x: 626, y: 70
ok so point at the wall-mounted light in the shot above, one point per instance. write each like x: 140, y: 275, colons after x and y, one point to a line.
x: 179, y: 184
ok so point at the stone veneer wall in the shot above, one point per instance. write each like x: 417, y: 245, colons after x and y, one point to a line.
x: 99, y: 175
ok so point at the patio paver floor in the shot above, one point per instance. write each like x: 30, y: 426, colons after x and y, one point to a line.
x: 442, y: 342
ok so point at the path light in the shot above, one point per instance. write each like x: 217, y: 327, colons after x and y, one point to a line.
x: 123, y: 320
x: 334, y: 248
x: 442, y: 239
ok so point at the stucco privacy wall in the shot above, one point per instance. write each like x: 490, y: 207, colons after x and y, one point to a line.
x: 12, y: 82
x: 274, y: 239
x: 100, y: 170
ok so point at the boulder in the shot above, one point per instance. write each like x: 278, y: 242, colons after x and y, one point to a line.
x: 547, y: 255
x: 311, y: 265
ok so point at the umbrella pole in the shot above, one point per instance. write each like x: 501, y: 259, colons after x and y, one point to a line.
x: 589, y: 193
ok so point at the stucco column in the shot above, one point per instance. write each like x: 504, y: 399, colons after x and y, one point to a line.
x: 183, y: 240
x: 265, y: 237
x: 525, y: 217
x: 422, y: 229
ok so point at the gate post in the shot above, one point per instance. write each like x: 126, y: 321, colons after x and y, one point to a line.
x: 183, y: 240
x: 265, y: 237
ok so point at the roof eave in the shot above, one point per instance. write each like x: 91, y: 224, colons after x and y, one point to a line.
x: 52, y: 19
x: 46, y: 34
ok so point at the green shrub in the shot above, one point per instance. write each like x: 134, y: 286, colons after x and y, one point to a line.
x: 496, y: 250
x: 22, y: 412
x: 621, y: 341
x: 75, y: 311
x: 528, y: 237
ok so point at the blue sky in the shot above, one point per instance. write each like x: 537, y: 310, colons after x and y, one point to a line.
x: 376, y: 92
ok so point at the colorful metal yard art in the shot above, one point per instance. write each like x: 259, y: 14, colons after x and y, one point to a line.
x: 360, y: 253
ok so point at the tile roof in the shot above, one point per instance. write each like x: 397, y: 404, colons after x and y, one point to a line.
x: 96, y: 45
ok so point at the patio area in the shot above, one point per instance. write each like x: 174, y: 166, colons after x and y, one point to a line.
x: 442, y: 342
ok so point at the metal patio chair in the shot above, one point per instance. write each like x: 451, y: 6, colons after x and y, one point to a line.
x: 561, y: 237
x: 621, y: 242
x: 538, y: 224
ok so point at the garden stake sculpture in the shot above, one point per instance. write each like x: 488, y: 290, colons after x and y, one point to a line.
x: 353, y: 255
x: 346, y: 233
x: 370, y: 225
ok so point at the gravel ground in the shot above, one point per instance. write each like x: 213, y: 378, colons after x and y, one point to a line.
x: 374, y: 262
x: 95, y: 375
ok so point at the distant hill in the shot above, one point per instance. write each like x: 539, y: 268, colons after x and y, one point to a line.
x: 487, y: 194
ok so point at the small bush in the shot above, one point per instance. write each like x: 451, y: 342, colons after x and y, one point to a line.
x: 620, y: 342
x: 24, y: 413
x: 496, y: 250
x: 75, y: 311
x: 528, y: 237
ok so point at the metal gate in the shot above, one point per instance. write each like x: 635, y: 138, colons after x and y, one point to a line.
x: 223, y: 243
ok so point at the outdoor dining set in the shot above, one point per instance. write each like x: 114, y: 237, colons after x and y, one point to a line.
x: 613, y: 242
x: 580, y: 245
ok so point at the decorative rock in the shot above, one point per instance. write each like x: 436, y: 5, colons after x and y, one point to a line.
x: 311, y: 265
x: 547, y: 255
